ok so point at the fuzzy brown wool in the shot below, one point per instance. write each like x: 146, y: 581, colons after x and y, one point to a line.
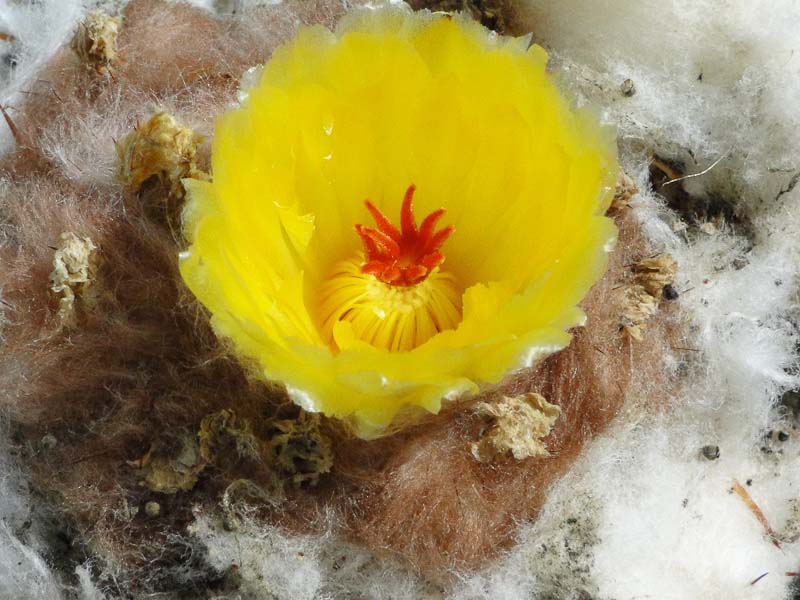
x: 137, y: 378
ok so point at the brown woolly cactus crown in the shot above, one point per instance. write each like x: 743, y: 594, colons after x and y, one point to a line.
x: 148, y: 414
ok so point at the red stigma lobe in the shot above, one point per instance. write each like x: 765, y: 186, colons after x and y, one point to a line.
x: 406, y: 256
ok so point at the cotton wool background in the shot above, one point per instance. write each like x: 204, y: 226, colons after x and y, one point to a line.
x: 655, y: 507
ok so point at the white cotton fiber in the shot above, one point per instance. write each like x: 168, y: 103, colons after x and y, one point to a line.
x: 711, y: 78
x: 274, y: 564
x: 24, y: 575
x: 37, y: 30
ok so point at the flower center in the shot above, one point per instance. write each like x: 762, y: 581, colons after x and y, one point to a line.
x: 407, y: 256
x: 393, y: 297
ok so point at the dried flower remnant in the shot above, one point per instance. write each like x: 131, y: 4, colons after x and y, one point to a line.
x: 225, y: 423
x: 516, y: 426
x: 170, y: 472
x: 625, y: 190
x: 637, y: 308
x: 73, y: 266
x: 493, y: 14
x: 161, y: 147
x: 299, y: 450
x: 639, y: 300
x: 656, y: 273
x: 95, y: 42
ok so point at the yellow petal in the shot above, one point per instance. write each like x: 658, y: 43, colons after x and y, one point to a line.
x: 395, y: 98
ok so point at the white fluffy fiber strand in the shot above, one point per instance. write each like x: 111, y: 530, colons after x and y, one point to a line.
x: 38, y: 29
x: 23, y: 573
x: 277, y: 565
x: 714, y: 77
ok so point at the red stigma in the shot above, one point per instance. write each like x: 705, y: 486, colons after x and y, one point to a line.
x: 406, y: 256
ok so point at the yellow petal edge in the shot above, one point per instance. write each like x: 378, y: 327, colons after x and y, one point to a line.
x: 392, y: 98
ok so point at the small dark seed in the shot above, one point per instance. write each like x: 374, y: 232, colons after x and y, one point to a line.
x: 670, y: 293
x: 782, y: 436
x: 627, y: 88
x: 710, y: 452
x: 48, y: 442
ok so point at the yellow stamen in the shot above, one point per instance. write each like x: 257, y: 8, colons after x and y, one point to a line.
x: 395, y: 318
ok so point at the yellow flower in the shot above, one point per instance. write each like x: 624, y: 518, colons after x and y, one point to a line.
x: 361, y: 311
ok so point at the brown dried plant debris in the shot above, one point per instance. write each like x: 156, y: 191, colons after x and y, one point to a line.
x: 170, y: 472
x: 639, y: 300
x: 161, y: 147
x: 625, y: 190
x: 516, y: 426
x: 656, y: 273
x: 757, y: 513
x: 637, y: 308
x: 73, y: 271
x: 95, y: 42
x: 299, y: 451
x: 225, y: 423
x: 167, y: 474
x: 294, y: 451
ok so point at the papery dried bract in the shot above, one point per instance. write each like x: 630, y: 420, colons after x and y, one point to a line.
x: 159, y: 147
x: 517, y: 426
x: 95, y: 42
x: 72, y: 271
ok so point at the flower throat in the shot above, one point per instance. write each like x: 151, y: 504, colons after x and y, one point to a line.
x: 395, y: 297
x: 407, y: 256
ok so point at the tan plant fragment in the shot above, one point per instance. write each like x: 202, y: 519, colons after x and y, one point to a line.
x: 95, y: 42
x: 73, y: 266
x: 300, y: 451
x: 637, y: 307
x: 226, y: 423
x: 517, y: 425
x: 639, y: 300
x: 625, y: 190
x: 654, y: 274
x: 160, y: 147
x: 169, y: 474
